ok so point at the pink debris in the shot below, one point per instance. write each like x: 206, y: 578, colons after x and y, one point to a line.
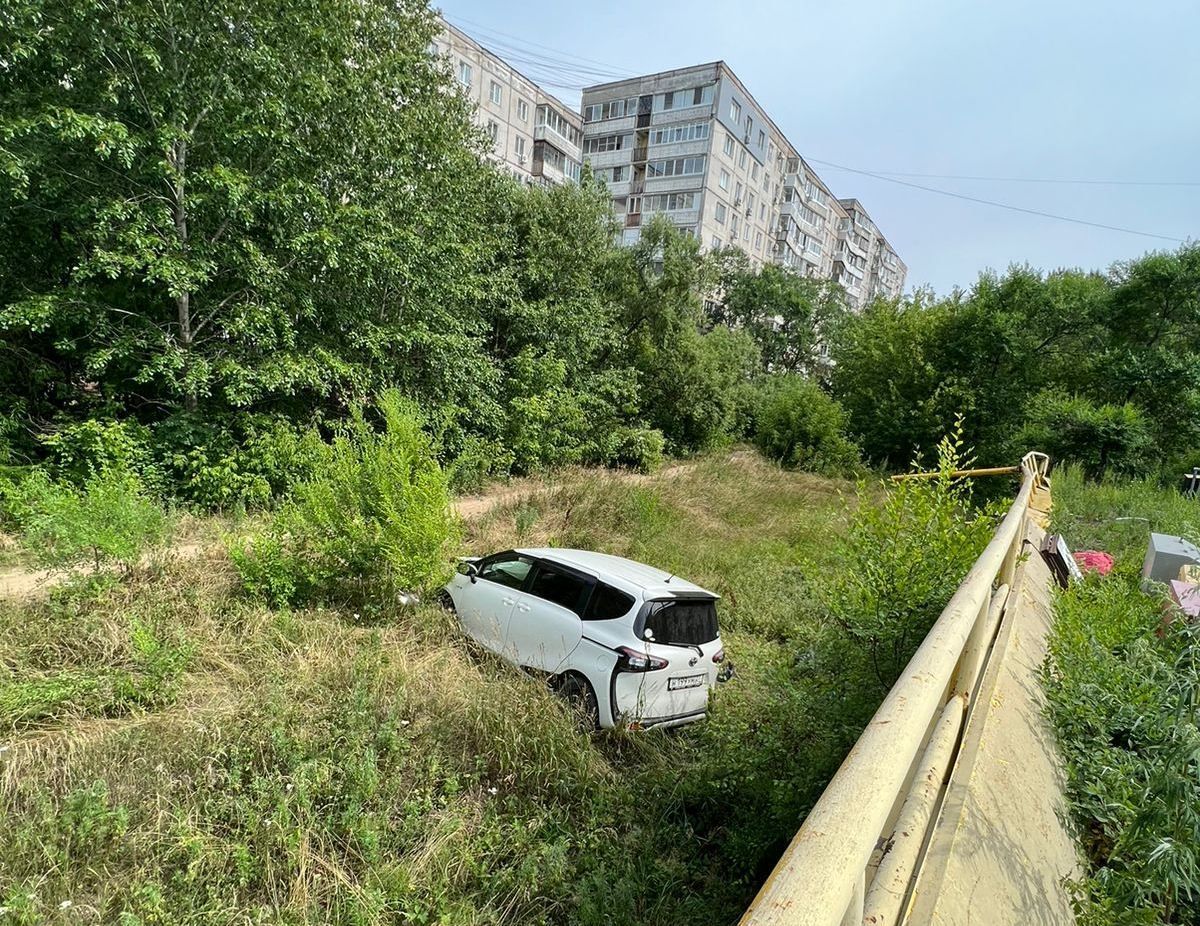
x: 1094, y: 561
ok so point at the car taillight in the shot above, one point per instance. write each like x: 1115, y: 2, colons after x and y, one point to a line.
x: 633, y: 661
x: 719, y: 655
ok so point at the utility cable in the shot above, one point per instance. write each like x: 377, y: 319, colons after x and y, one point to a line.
x: 992, y: 202
x: 1048, y: 180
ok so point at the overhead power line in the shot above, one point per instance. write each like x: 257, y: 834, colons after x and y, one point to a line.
x: 992, y: 202
x: 559, y: 54
x: 1050, y: 180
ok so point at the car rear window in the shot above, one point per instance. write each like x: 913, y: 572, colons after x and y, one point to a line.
x: 686, y: 621
x: 607, y: 603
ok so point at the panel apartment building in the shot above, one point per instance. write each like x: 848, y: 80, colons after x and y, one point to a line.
x: 694, y: 145
x: 535, y: 136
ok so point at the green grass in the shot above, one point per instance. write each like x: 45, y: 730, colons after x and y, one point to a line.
x: 178, y: 754
x: 1117, y: 516
x: 1123, y: 689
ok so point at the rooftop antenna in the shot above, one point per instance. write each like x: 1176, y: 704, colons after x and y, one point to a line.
x: 669, y: 578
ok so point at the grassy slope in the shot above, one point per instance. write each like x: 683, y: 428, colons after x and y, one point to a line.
x: 1121, y: 689
x: 175, y: 754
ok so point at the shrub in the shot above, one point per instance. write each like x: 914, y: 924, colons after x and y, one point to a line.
x: 1099, y: 437
x: 247, y: 464
x: 375, y: 522
x: 111, y: 517
x: 800, y: 426
x: 83, y: 448
x: 637, y: 448
x: 901, y: 561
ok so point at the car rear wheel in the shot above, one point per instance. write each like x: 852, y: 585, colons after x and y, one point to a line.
x: 579, y: 694
x: 444, y: 599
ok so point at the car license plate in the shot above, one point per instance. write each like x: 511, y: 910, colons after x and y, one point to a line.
x: 686, y: 681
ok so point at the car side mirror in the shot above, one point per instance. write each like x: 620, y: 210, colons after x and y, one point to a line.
x: 470, y: 570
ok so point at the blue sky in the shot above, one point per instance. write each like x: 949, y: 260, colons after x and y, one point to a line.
x: 1051, y: 90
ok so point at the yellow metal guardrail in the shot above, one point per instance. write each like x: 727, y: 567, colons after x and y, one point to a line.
x: 855, y: 856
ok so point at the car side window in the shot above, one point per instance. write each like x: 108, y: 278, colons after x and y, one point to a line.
x: 561, y: 588
x: 509, y: 569
x: 607, y: 603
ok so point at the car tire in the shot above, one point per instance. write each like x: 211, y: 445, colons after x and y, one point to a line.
x: 577, y: 691
x: 444, y: 599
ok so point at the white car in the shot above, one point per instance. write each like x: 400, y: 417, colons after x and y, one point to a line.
x: 626, y: 642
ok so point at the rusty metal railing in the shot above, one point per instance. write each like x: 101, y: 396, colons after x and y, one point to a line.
x: 854, y: 859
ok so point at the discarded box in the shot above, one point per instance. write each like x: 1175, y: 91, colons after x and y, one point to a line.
x: 1187, y: 596
x: 1058, y: 557
x: 1166, y: 555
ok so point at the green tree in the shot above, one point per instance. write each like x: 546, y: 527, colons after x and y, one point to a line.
x: 241, y: 204
x: 788, y: 314
x: 693, y: 383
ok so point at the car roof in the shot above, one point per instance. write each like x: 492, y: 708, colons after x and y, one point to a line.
x: 654, y: 582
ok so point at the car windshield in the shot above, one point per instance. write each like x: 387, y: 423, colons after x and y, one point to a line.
x: 682, y: 621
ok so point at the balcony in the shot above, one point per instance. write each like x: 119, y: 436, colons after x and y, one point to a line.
x: 565, y: 145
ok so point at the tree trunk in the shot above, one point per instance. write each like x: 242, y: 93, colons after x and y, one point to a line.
x: 183, y: 308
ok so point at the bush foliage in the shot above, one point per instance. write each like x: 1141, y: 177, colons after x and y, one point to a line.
x: 798, y: 424
x: 109, y: 518
x: 372, y: 523
x: 901, y: 559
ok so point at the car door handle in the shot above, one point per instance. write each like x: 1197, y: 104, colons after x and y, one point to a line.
x: 508, y: 601
x: 523, y: 607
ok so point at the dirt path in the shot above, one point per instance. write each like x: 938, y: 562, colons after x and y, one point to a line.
x: 471, y: 507
x: 20, y: 582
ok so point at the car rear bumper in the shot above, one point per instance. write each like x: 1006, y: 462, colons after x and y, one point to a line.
x: 645, y: 723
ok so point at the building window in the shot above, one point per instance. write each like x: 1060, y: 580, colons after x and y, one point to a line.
x: 669, y: 100
x: 758, y: 241
x: 675, y: 167
x: 618, y: 173
x: 750, y: 204
x: 716, y: 242
x: 496, y: 95
x: 762, y: 212
x: 746, y: 232
x: 688, y: 131
x: 669, y: 202
x: 735, y: 111
x: 720, y: 213
x: 728, y: 149
x: 762, y: 138
x: 733, y: 226
x: 493, y: 130
x: 522, y: 110
x: 754, y: 171
x: 464, y: 73
x: 519, y: 146
x: 603, y: 143
x: 433, y: 49
x: 737, y: 194
x: 742, y: 159
x: 723, y: 180
x: 613, y: 109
